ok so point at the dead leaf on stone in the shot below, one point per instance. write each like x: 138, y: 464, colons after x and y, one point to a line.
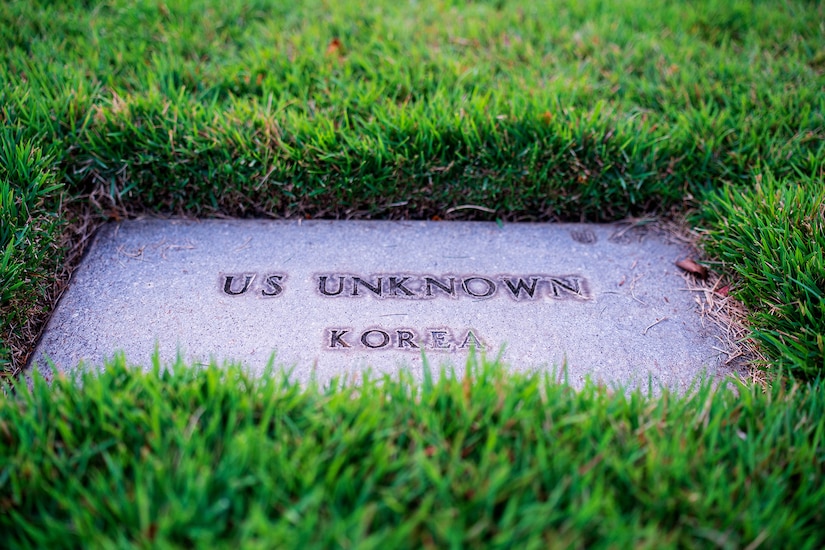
x: 689, y: 265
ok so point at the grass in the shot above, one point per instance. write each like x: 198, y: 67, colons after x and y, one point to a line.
x: 213, y: 457
x: 29, y: 223
x: 571, y: 110
x: 778, y: 250
x: 531, y: 111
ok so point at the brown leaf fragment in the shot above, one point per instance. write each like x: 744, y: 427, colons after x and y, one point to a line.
x: 690, y: 265
x: 335, y: 46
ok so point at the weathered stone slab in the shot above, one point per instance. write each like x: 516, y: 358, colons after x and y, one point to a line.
x: 333, y: 298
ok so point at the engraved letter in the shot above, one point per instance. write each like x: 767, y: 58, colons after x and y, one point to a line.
x: 322, y: 286
x: 375, y: 289
x: 448, y: 289
x: 396, y: 285
x: 438, y: 339
x: 365, y: 339
x: 227, y: 287
x: 468, y: 284
x: 335, y: 339
x: 405, y: 339
x: 516, y: 289
x: 566, y: 285
x: 471, y: 340
x: 274, y: 284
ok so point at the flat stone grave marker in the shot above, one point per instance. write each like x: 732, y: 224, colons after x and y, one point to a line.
x: 333, y: 298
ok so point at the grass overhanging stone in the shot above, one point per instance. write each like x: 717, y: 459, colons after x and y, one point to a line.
x: 212, y: 456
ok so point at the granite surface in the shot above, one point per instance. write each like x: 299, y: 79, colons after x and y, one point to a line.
x: 332, y: 298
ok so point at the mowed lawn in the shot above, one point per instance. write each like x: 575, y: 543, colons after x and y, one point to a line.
x: 707, y: 113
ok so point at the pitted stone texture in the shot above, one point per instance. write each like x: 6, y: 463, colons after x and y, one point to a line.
x: 607, y: 301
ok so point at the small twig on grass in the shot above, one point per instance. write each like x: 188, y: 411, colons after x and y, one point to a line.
x: 470, y: 207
